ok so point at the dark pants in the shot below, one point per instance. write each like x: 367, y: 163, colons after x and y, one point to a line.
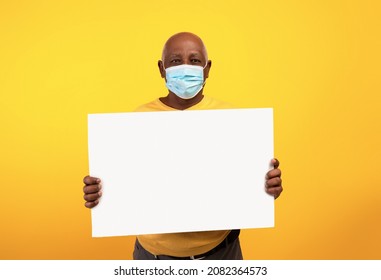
x: 231, y: 252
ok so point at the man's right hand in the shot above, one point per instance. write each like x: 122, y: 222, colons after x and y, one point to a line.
x: 92, y: 191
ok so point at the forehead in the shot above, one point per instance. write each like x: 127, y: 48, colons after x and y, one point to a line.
x: 183, y: 46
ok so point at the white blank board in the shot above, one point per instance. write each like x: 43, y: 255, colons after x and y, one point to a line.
x: 181, y: 171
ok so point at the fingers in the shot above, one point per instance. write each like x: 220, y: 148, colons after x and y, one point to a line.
x: 275, y: 191
x: 275, y: 163
x: 274, y: 186
x: 92, y: 191
x: 273, y: 180
x: 91, y: 180
x: 273, y: 173
x: 91, y: 204
x: 92, y: 197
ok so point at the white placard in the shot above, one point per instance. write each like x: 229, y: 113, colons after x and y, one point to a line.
x: 181, y: 171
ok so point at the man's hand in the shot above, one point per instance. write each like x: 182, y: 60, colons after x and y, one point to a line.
x: 92, y: 191
x: 273, y: 181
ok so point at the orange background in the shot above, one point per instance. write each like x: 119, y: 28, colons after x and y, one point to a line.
x: 316, y: 62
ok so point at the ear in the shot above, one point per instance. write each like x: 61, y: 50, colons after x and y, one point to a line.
x: 207, y: 68
x: 161, y: 68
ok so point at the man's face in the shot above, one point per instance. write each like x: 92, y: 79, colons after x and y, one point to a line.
x: 185, y: 49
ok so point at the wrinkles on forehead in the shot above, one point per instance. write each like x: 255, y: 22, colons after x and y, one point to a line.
x: 184, y: 42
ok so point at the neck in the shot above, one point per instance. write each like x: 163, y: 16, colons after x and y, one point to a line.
x: 172, y: 100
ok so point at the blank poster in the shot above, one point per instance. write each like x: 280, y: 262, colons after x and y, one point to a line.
x: 181, y: 171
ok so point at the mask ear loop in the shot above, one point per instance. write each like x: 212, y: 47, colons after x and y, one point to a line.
x: 203, y: 84
x: 202, y: 75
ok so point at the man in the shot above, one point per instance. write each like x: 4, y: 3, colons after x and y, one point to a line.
x: 185, y: 68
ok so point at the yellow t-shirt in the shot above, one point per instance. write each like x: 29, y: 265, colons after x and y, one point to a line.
x: 207, y: 103
x: 186, y: 243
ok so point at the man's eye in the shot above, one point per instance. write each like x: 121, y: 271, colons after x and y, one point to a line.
x: 175, y: 61
x: 194, y: 60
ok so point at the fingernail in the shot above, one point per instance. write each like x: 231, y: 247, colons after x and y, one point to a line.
x: 98, y: 180
x: 100, y: 193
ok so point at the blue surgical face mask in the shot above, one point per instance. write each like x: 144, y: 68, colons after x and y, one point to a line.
x: 185, y: 80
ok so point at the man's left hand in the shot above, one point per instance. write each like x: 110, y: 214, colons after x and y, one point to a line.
x: 273, y: 181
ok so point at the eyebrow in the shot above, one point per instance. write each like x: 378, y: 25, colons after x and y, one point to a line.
x: 195, y: 54
x: 174, y: 55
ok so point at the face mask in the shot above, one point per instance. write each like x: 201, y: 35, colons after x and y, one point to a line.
x: 185, y: 80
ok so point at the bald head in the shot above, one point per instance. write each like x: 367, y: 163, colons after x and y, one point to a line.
x: 183, y: 48
x: 185, y: 45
